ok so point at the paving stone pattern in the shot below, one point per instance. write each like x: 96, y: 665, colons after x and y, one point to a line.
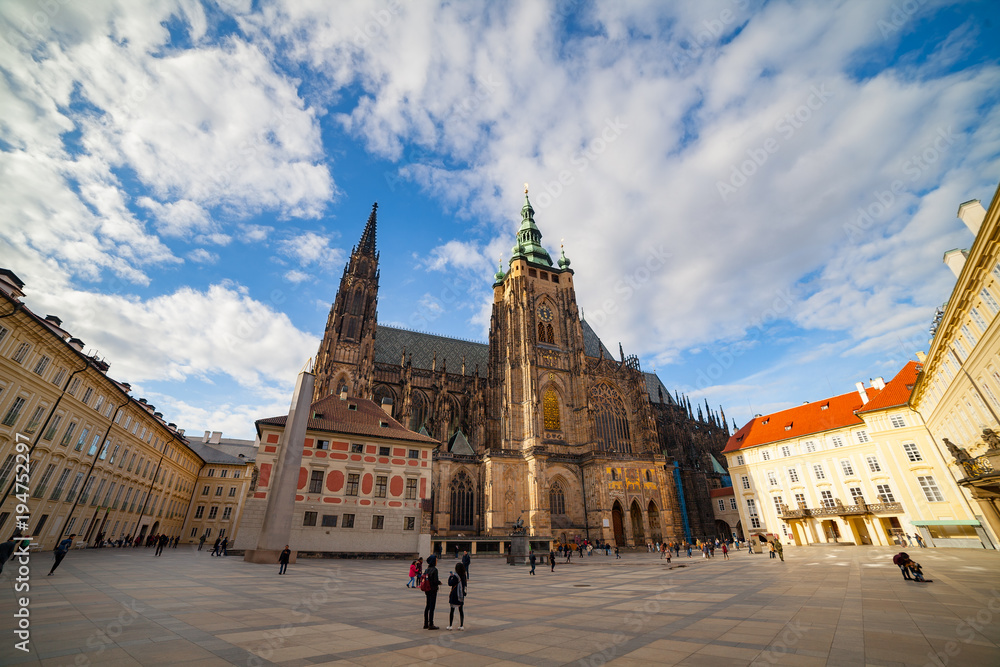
x: 823, y: 606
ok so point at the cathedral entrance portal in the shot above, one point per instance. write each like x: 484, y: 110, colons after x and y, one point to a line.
x: 637, y: 532
x: 618, y: 521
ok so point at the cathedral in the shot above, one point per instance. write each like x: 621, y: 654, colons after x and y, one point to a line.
x: 542, y: 424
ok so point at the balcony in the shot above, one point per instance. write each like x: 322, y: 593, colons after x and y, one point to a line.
x: 839, y: 509
x: 979, y: 467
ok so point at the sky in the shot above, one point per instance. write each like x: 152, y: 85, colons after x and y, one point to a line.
x: 755, y: 196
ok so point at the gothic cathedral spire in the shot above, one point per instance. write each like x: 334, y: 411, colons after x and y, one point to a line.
x: 345, y: 359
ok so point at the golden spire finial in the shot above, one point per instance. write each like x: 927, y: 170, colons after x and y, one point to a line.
x: 525, y: 188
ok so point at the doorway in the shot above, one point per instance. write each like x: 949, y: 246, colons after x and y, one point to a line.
x: 618, y: 523
x: 638, y: 534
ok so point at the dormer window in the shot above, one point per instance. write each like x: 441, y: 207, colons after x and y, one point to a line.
x: 788, y: 426
x: 764, y: 423
x: 352, y: 406
x: 825, y: 406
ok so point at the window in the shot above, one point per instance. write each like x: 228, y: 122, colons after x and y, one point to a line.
x: 211, y: 472
x: 232, y: 492
x: 329, y: 521
x: 557, y: 501
x: 383, y: 451
x: 44, y: 481
x: 968, y: 335
x: 462, y: 501
x: 752, y: 511
x: 218, y: 490
x: 357, y: 449
x: 766, y: 455
x: 204, y: 490
x: 56, y: 492
x: 745, y: 481
x: 988, y: 299
x: 199, y: 512
x: 409, y: 523
x: 227, y: 512
x: 381, y: 481
x: 800, y: 500
x: 50, y: 432
x: 611, y: 425
x: 99, y: 402
x: 826, y: 498
x: 3, y: 334
x: 778, y: 502
x: 897, y: 421
x: 786, y: 450
x: 309, y: 519
x: 912, y: 453
x: 931, y: 489
x: 959, y: 347
x: 873, y: 464
x: 414, y: 454
x: 856, y: 495
x: 212, y: 512
x: 68, y: 435
x: 20, y: 353
x: 8, y: 465
x: 87, y: 395
x: 72, y: 489
x: 411, y: 489
x: 732, y: 504
x: 550, y: 409
x: 978, y: 319
x: 82, y: 439
x: 42, y: 364
x: 793, y: 475
x: 848, y: 469
x: 222, y: 473
x: 810, y: 446
x: 837, y: 441
x: 14, y: 412
x: 722, y: 505
x: 348, y: 521
x: 772, y: 479
x: 818, y: 471
x: 315, y: 482
x: 36, y: 418
x: 885, y: 493
x: 378, y: 522
x: 352, y: 483
x: 862, y: 436
x: 739, y: 459
x: 323, y: 444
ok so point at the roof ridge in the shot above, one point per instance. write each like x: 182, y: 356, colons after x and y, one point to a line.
x: 427, y: 333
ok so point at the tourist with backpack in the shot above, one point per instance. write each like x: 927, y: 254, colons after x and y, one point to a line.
x: 429, y: 586
x: 457, y: 597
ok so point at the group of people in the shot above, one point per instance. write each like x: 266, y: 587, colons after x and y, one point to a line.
x: 911, y: 570
x: 429, y: 581
x: 907, y: 540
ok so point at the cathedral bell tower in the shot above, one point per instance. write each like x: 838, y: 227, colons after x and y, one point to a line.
x: 346, y: 356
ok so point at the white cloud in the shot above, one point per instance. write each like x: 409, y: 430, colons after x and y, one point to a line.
x: 202, y: 256
x: 255, y: 233
x: 310, y: 248
x: 295, y: 276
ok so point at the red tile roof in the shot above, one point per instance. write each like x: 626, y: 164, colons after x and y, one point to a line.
x: 365, y: 418
x: 897, y: 391
x: 724, y: 491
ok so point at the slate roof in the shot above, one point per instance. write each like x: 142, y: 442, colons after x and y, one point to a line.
x: 592, y: 343
x: 212, y: 455
x: 653, y: 385
x: 897, y: 391
x: 365, y: 418
x: 390, y: 343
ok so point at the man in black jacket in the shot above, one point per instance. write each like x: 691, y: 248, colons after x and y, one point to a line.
x: 466, y: 560
x: 433, y: 581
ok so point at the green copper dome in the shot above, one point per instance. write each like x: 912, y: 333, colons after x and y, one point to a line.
x: 563, y: 259
x: 529, y: 238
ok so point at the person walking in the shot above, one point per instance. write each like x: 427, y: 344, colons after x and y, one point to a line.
x: 466, y: 561
x: 61, y: 550
x: 552, y: 560
x: 531, y: 559
x: 778, y: 549
x: 920, y: 541
x: 215, y: 547
x: 225, y: 543
x: 7, y: 550
x: 770, y: 550
x: 725, y: 551
x: 420, y: 570
x: 160, y: 543
x: 201, y: 542
x: 618, y: 556
x: 412, y: 583
x: 430, y: 589
x: 900, y: 560
x: 457, y: 597
x: 283, y: 559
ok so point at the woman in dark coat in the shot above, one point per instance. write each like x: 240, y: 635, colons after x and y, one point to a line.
x: 434, y: 582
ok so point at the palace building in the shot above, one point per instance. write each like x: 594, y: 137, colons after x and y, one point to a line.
x: 542, y: 424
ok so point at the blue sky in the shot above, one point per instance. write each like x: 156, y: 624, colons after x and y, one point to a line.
x: 755, y: 196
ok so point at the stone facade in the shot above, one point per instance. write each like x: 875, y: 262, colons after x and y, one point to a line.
x: 541, y: 424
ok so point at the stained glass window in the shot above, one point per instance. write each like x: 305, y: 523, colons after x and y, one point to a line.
x: 557, y: 502
x: 550, y: 406
x: 462, y: 501
x: 610, y: 419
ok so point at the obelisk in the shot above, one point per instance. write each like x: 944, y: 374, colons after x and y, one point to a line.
x: 276, y: 529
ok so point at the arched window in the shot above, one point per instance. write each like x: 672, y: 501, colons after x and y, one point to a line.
x: 351, y: 330
x: 649, y: 478
x: 614, y: 475
x: 557, y: 502
x: 462, y: 501
x: 358, y: 302
x: 550, y: 410
x: 550, y: 336
x: 418, y: 411
x: 610, y: 419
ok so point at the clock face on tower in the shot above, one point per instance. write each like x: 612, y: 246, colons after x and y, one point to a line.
x: 545, y: 314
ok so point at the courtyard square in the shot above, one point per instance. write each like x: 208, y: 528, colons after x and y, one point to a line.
x: 822, y: 606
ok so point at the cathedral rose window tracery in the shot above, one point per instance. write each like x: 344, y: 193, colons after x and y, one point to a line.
x: 610, y: 419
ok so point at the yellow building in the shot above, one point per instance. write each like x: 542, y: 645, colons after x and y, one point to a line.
x: 858, y: 468
x: 101, y: 463
x: 222, y: 487
x: 958, y: 391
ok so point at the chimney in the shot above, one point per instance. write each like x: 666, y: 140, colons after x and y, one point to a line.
x: 879, y: 383
x: 205, y: 437
x: 921, y: 356
x: 972, y: 214
x: 76, y: 344
x: 343, y: 394
x: 955, y: 259
x: 54, y: 320
x: 216, y: 438
x: 387, y: 405
x: 861, y: 392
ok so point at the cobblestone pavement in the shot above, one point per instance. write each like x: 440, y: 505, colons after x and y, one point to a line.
x: 823, y: 606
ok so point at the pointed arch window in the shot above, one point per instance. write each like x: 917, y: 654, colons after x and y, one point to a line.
x: 546, y: 334
x: 462, y: 501
x: 418, y: 411
x: 550, y: 410
x: 557, y: 501
x: 358, y: 302
x: 610, y: 419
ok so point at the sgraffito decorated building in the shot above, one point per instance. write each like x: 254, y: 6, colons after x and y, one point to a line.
x: 542, y: 424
